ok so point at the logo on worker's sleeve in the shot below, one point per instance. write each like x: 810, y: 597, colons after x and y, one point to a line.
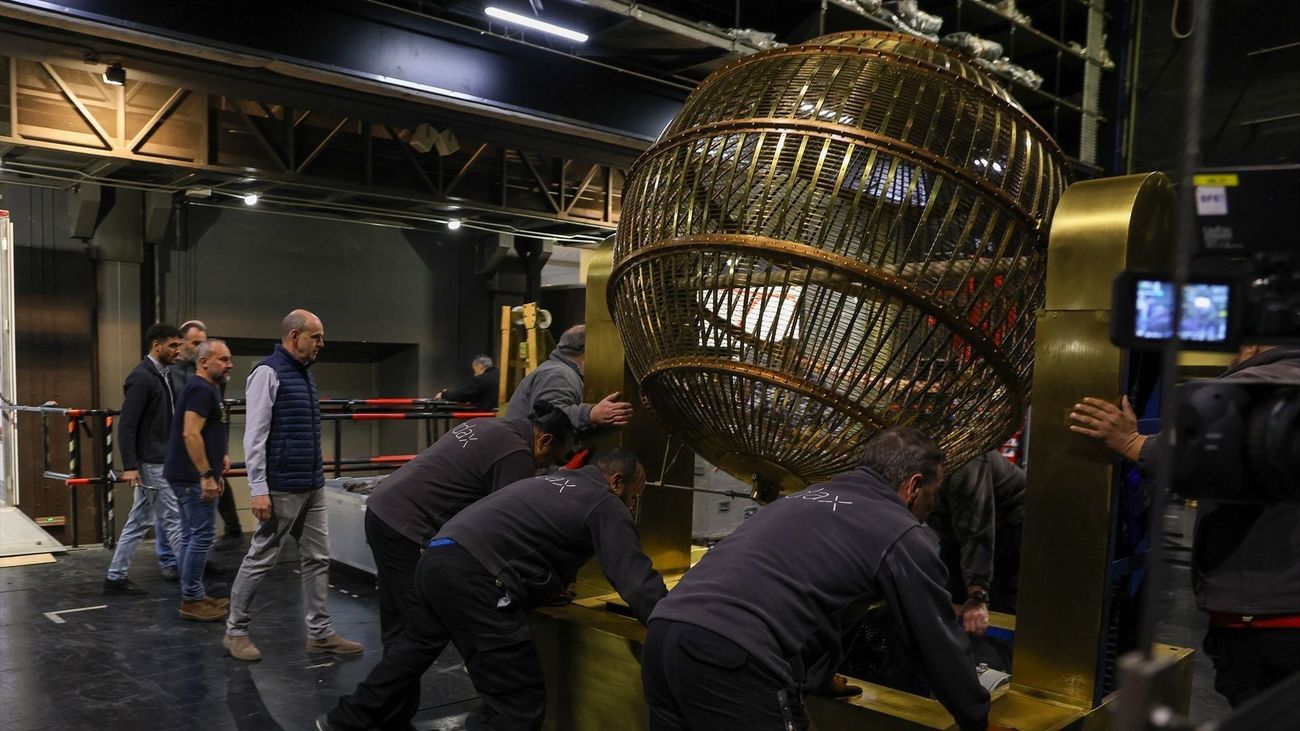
x: 464, y: 434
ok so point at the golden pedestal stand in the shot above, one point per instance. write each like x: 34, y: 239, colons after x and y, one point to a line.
x: 1100, y: 227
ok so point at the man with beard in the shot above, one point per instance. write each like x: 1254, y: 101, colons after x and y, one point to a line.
x: 193, y: 333
x: 195, y: 458
x: 143, y: 427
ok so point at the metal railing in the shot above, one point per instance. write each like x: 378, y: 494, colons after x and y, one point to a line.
x: 436, y: 414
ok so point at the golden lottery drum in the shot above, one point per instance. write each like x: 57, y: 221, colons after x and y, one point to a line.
x: 831, y: 239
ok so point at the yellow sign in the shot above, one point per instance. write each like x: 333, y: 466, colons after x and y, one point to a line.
x: 1223, y: 180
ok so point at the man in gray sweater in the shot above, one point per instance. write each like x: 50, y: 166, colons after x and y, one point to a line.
x: 559, y: 381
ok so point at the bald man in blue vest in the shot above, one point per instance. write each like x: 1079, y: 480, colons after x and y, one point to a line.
x: 286, y: 478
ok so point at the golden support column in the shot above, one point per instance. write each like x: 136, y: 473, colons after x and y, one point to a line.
x: 1100, y: 228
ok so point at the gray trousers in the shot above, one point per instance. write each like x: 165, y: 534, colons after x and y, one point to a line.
x: 302, y: 515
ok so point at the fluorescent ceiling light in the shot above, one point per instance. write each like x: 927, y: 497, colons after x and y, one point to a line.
x: 534, y: 23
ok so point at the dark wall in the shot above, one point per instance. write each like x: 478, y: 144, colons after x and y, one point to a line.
x: 568, y: 307
x: 404, y: 313
x: 242, y: 271
x: 54, y: 298
x: 1241, y: 89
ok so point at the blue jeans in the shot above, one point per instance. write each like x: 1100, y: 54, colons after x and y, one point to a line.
x: 198, y: 527
x: 154, y: 506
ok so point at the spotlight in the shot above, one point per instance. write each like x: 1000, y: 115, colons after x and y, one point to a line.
x: 115, y: 75
x: 453, y: 223
x: 250, y: 199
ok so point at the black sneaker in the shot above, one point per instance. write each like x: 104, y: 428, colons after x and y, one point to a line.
x: 229, y: 542
x: 170, y: 573
x: 122, y: 587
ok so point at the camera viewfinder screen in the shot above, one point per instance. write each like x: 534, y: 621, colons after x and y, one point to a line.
x: 1204, y: 316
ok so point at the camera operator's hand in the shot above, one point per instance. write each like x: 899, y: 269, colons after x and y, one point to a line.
x: 1114, y: 426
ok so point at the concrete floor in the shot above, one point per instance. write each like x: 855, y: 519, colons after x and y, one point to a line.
x: 134, y: 664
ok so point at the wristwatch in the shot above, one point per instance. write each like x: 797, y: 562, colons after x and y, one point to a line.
x: 208, y: 474
x: 979, y: 595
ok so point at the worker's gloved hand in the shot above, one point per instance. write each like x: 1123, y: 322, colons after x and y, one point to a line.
x: 1114, y: 426
x: 611, y: 412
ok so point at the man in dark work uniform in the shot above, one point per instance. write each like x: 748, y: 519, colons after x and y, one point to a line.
x: 979, y: 516
x: 508, y: 552
x: 759, y: 620
x: 410, y: 506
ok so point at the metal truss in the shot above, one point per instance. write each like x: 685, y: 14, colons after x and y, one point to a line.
x: 64, y: 124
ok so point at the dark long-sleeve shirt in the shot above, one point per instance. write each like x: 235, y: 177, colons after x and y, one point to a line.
x: 482, y: 391
x: 534, y: 535
x: 985, y: 493
x: 468, y: 462
x: 789, y: 581
x: 144, y: 424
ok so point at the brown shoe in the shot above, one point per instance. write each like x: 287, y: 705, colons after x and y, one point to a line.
x: 222, y: 602
x: 241, y: 648
x: 203, y: 611
x: 334, y: 645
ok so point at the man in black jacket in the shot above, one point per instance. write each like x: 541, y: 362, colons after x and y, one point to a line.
x: 482, y: 390
x: 144, y: 428
x: 409, y: 507
x: 1245, y: 558
x: 759, y: 620
x: 511, y: 551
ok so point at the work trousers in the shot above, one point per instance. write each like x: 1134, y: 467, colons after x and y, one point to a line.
x: 396, y: 558
x: 154, y: 507
x: 464, y: 604
x: 1249, y: 661
x: 699, y: 680
x: 303, y: 516
x: 1004, y: 589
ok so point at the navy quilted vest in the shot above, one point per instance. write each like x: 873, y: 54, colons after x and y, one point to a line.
x: 293, y: 456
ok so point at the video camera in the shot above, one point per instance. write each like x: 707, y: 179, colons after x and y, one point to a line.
x: 1233, y: 439
x: 1259, y: 303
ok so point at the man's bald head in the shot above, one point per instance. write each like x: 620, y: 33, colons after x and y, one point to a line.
x: 573, y: 341
x: 303, y: 335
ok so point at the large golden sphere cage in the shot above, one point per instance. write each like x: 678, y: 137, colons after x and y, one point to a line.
x: 831, y: 239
